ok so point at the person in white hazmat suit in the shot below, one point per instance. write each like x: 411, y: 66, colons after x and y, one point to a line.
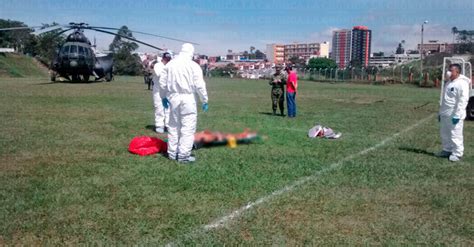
x: 452, y: 113
x: 180, y: 80
x: 162, y: 115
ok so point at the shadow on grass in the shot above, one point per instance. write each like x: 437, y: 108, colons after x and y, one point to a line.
x: 162, y: 136
x: 271, y: 114
x: 222, y: 144
x: 44, y: 83
x: 417, y: 151
x: 150, y: 127
x: 69, y: 82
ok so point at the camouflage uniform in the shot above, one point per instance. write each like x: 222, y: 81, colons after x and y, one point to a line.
x: 148, y: 72
x: 278, y: 81
x: 148, y: 76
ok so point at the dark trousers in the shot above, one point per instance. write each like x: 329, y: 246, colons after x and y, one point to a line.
x: 291, y: 102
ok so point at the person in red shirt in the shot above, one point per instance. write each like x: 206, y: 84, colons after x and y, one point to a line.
x: 291, y: 88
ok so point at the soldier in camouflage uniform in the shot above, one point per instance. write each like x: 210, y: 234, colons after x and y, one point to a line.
x: 148, y: 65
x: 278, y: 81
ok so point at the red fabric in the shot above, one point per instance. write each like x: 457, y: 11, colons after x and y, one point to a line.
x: 146, y: 145
x: 292, y: 83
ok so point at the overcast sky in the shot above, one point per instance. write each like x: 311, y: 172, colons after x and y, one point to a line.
x: 221, y: 25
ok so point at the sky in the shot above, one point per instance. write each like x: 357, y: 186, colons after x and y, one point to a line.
x: 236, y: 25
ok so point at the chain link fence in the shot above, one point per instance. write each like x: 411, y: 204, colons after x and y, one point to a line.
x: 397, y: 74
x: 400, y: 74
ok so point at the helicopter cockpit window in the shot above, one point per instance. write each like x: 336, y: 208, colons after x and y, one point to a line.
x: 81, y: 50
x: 65, y: 49
x: 73, y: 49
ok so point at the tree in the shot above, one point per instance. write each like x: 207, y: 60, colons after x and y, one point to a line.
x: 31, y: 46
x: 16, y: 39
x: 321, y: 63
x: 298, y: 62
x: 118, y: 43
x: 379, y: 54
x: 259, y: 55
x: 47, y: 45
x: 125, y: 62
x: 465, y: 40
x: 246, y: 55
x: 400, y: 49
x: 229, y: 70
x: 356, y: 63
x: 454, y: 31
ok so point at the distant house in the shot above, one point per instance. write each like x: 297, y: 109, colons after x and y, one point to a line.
x: 7, y: 50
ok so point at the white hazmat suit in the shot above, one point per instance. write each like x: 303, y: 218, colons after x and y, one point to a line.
x: 162, y: 115
x: 453, y: 106
x: 180, y: 80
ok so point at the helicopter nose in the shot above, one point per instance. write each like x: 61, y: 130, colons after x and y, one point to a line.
x: 73, y: 64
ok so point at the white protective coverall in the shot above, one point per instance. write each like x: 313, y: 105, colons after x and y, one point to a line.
x: 180, y: 80
x: 162, y: 115
x: 453, y: 105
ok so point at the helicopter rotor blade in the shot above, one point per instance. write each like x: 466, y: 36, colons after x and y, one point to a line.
x: 150, y: 34
x: 15, y: 28
x: 34, y: 29
x: 125, y: 37
x: 63, y: 31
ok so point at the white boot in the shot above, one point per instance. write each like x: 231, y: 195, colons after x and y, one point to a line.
x: 454, y: 158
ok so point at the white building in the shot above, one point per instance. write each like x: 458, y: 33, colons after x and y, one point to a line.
x: 275, y: 53
x: 397, y: 59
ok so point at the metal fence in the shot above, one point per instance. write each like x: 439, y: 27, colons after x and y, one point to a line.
x: 399, y: 74
x: 396, y: 74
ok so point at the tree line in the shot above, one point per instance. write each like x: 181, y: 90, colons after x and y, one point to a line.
x: 464, y: 40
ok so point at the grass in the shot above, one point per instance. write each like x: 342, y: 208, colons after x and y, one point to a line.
x: 14, y: 65
x: 66, y: 176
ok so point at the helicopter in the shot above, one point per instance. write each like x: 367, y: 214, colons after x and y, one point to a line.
x: 76, y: 61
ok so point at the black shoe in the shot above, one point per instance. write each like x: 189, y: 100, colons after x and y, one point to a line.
x: 443, y: 154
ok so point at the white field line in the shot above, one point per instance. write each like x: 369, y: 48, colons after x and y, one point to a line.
x: 224, y: 220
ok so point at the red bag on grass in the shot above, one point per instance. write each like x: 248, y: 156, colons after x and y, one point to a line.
x: 146, y: 145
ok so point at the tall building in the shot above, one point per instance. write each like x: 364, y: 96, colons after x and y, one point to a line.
x: 352, y: 46
x: 324, y: 49
x: 361, y: 45
x: 341, y: 47
x: 303, y: 51
x: 279, y: 54
x: 276, y: 53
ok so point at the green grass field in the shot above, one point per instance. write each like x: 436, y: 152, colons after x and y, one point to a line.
x: 66, y: 176
x: 14, y: 65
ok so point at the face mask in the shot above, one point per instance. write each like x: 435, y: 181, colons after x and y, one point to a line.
x: 448, y: 74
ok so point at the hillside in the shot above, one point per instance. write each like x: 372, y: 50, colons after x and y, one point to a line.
x: 15, y: 65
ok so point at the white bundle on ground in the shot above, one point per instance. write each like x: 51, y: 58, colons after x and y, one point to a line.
x: 323, y: 132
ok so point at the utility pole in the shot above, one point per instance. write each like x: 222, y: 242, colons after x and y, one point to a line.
x: 422, y: 50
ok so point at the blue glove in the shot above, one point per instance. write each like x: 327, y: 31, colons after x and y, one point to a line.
x: 205, y: 107
x: 165, y: 102
x: 455, y: 120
